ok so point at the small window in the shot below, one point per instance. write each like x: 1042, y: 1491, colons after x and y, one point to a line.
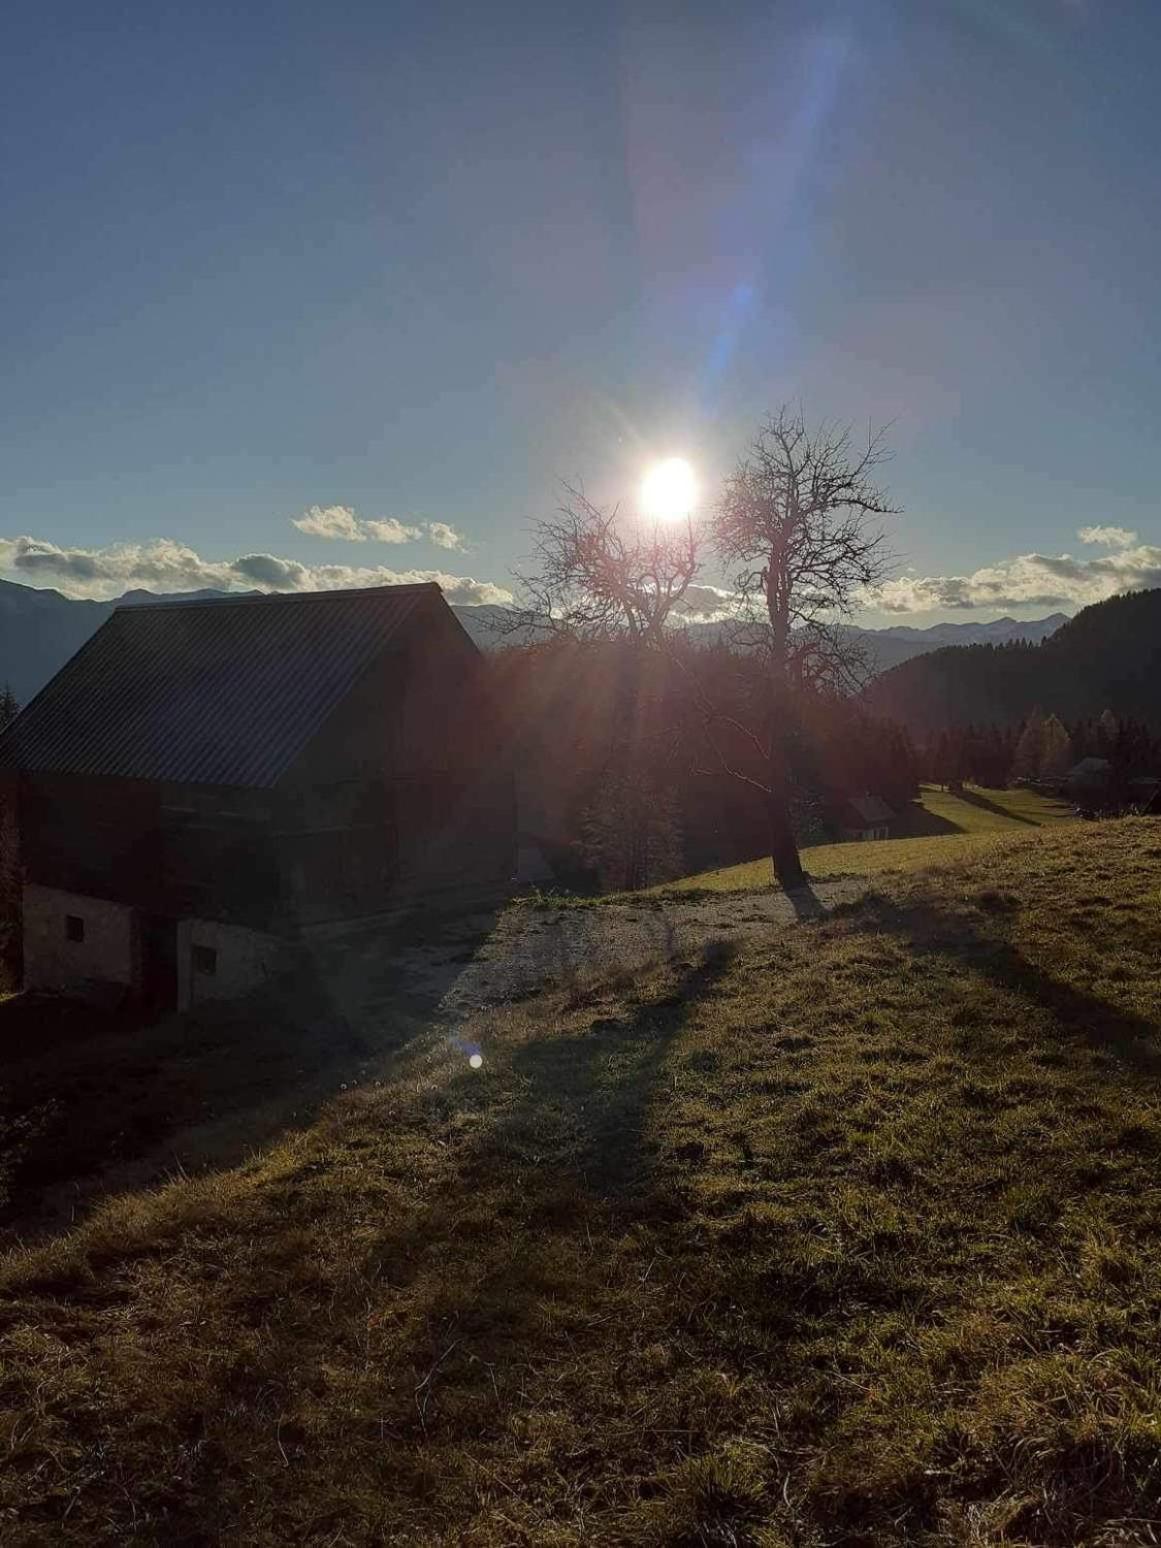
x: 74, y: 927
x: 205, y: 960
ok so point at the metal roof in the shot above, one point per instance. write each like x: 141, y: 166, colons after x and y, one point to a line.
x: 218, y: 691
x: 871, y: 808
x: 1089, y: 766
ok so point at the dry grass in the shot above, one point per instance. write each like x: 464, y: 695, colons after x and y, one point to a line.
x: 852, y: 1239
x: 91, y: 1097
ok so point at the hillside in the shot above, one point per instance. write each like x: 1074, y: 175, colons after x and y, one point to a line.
x: 40, y: 629
x: 937, y: 828
x: 851, y: 1236
x: 1107, y: 657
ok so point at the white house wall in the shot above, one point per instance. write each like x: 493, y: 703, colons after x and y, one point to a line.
x: 108, y: 953
x: 244, y: 960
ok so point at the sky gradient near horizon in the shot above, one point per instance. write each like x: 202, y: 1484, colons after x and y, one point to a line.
x: 299, y: 295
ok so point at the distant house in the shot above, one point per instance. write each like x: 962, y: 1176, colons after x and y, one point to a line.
x: 1090, y: 780
x: 208, y: 781
x: 865, y: 817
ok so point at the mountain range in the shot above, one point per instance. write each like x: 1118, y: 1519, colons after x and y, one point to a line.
x: 40, y: 629
x: 1107, y: 657
x: 892, y: 646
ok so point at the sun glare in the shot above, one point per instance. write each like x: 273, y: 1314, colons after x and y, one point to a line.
x: 669, y: 490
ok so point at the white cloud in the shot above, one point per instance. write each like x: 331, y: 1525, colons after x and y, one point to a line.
x: 344, y: 524
x: 1027, y: 580
x: 330, y: 521
x: 1108, y: 537
x: 386, y: 529
x: 164, y: 565
x: 444, y: 536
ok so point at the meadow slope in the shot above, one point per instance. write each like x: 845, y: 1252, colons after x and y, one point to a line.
x: 935, y: 829
x: 851, y: 1235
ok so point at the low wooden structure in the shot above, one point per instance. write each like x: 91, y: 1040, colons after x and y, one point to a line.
x: 207, y: 781
x: 865, y: 817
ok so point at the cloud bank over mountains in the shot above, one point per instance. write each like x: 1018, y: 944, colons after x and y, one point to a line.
x: 1032, y: 580
x: 164, y: 564
x: 1026, y: 580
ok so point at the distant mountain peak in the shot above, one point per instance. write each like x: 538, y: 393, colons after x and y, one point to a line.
x: 897, y: 643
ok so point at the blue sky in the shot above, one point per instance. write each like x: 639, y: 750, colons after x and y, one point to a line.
x: 417, y: 262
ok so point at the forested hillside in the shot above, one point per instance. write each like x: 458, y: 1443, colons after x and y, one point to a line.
x: 1107, y: 657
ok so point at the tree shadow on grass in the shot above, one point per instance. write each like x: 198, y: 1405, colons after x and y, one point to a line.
x: 915, y: 821
x: 599, y: 1084
x: 805, y: 902
x: 981, y: 940
x: 974, y: 798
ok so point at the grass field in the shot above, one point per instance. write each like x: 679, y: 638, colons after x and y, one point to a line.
x: 976, y: 810
x: 939, y: 827
x: 854, y: 1238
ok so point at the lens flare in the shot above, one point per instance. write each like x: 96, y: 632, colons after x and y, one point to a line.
x: 669, y: 490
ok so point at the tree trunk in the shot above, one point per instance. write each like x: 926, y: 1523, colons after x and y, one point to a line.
x: 784, y: 846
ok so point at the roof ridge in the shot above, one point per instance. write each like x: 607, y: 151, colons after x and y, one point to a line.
x: 253, y: 598
x: 225, y: 695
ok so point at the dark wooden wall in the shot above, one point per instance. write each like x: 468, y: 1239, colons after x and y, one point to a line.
x: 422, y: 721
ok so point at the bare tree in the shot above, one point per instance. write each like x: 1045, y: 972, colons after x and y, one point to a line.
x: 797, y: 527
x: 599, y: 575
x: 610, y: 582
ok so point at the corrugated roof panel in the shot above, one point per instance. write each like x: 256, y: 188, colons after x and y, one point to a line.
x: 221, y: 691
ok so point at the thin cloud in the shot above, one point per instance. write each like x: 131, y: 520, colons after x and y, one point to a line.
x: 342, y: 524
x: 164, y: 565
x: 706, y: 604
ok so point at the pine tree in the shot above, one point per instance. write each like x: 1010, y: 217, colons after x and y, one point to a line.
x: 1029, y: 748
x: 1055, y: 749
x: 9, y: 708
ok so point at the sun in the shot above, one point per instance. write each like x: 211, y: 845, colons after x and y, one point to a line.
x: 669, y: 490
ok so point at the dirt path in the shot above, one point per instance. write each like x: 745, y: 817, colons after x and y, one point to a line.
x: 527, y: 947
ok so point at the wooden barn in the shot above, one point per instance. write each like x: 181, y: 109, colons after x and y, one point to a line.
x: 206, y: 781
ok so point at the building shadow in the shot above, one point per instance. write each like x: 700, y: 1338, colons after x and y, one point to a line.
x: 100, y: 1099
